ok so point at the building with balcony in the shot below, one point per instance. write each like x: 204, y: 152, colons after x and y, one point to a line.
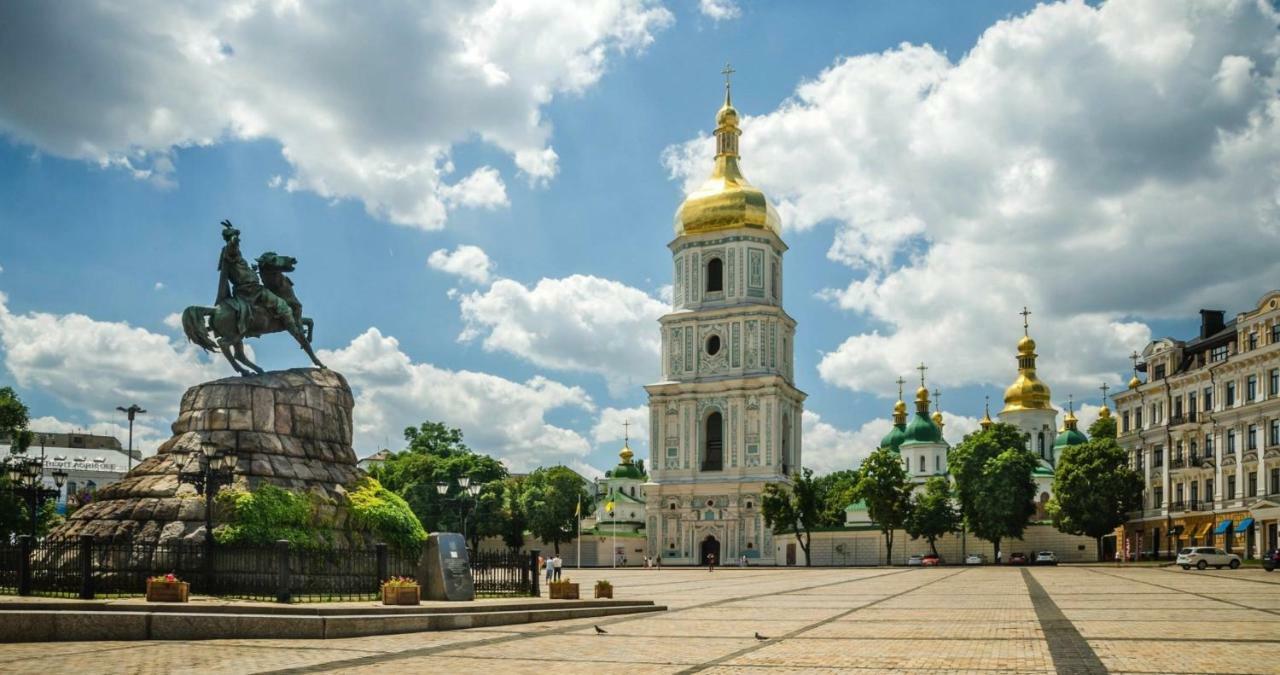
x: 1203, y: 429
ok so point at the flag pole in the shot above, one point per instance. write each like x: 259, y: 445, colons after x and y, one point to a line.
x: 613, y: 520
x: 579, y: 530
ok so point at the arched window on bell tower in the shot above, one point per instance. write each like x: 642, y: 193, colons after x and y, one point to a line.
x: 1040, y: 444
x: 715, y: 275
x: 713, y: 443
x: 786, y: 445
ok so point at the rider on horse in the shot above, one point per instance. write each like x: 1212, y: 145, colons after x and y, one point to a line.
x: 240, y: 286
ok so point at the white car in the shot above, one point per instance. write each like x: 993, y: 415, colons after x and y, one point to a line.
x: 975, y: 559
x: 915, y: 560
x: 1046, y: 558
x: 1204, y: 556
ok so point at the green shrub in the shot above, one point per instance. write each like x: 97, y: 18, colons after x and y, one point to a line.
x: 267, y: 514
x: 386, y: 514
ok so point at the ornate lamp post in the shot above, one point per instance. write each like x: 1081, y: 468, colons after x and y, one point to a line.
x: 27, y: 478
x: 467, y: 489
x: 214, y: 469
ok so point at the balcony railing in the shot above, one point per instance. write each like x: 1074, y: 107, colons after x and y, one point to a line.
x: 1191, y: 505
x: 1187, y: 418
x: 1177, y: 463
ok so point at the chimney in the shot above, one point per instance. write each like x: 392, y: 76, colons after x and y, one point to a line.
x: 1211, y: 321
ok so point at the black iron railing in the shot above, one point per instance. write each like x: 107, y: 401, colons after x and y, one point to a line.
x: 85, y: 568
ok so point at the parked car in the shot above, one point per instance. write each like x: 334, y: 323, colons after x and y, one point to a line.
x: 1272, y: 560
x: 915, y: 561
x: 1018, y: 559
x: 975, y: 559
x: 1204, y: 556
x: 1046, y: 558
x: 931, y: 560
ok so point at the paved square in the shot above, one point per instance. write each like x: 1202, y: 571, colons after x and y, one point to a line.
x: 952, y: 619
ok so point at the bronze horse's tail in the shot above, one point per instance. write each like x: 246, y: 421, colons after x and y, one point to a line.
x: 196, y: 329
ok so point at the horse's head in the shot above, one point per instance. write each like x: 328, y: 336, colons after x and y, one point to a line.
x: 274, y: 262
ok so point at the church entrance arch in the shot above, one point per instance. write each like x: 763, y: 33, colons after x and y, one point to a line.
x: 710, y: 547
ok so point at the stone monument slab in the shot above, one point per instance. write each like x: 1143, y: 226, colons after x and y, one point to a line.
x: 446, y: 568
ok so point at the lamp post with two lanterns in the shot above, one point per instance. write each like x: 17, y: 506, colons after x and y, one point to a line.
x: 26, y: 477
x: 215, y: 468
x: 467, y: 489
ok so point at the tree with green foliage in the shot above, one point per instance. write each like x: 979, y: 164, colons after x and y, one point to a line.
x: 933, y: 513
x: 14, y: 417
x: 1093, y: 489
x: 385, y: 514
x: 549, y: 500
x: 993, y: 469
x: 514, y: 523
x: 437, y: 454
x: 1103, y: 427
x: 795, y: 509
x: 265, y: 515
x: 884, y: 488
x: 835, y: 492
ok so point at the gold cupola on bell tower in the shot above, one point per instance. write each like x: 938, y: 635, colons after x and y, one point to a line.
x: 726, y: 200
x: 1027, y: 391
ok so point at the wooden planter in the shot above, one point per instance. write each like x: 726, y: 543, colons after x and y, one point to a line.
x: 167, y: 591
x: 564, y: 590
x: 401, y: 595
x: 604, y: 592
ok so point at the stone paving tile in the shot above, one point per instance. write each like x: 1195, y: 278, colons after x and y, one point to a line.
x: 1188, y: 656
x: 1202, y: 616
x: 177, y: 657
x: 783, y: 670
x: 455, y: 664
x: 1178, y: 630
x: 679, y: 629
x: 626, y: 649
x: 956, y: 654
x: 763, y: 614
x: 942, y: 615
x: 968, y: 630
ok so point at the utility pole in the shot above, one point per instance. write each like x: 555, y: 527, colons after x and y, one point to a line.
x: 132, y: 411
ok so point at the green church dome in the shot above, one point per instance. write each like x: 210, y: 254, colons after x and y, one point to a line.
x: 895, y: 437
x: 921, y: 429
x: 1069, y: 437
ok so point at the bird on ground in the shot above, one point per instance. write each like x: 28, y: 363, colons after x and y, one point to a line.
x: 761, y: 637
x: 600, y: 631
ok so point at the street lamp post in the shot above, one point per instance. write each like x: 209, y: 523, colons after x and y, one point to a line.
x: 132, y: 411
x: 468, y: 489
x: 27, y: 478
x: 214, y: 469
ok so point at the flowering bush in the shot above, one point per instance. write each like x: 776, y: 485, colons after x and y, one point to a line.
x: 603, y: 583
x: 400, y: 582
x: 169, y: 578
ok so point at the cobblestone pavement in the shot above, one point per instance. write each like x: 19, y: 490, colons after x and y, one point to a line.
x: 952, y: 619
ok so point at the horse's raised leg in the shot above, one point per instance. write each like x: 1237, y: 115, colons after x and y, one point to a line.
x: 309, y: 327
x: 306, y: 345
x: 239, y: 351
x: 226, y: 351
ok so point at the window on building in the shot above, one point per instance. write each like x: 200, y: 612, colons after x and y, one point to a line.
x: 1231, y: 487
x: 937, y: 464
x: 1208, y: 489
x: 1137, y: 418
x: 1208, y: 445
x: 1177, y: 493
x: 1218, y: 353
x: 1230, y: 394
x: 1253, y: 341
x: 1273, y: 388
x: 921, y: 463
x: 1252, y: 439
x: 713, y: 345
x: 1275, y: 433
x: 1275, y: 481
x: 1158, y: 374
x: 713, y: 443
x: 1251, y: 388
x: 1208, y: 399
x: 1275, y: 332
x: 1191, y: 403
x: 773, y: 278
x: 1040, y: 443
x: 1177, y: 407
x: 1231, y: 441
x: 1124, y: 422
x: 1195, y: 492
x: 1251, y: 484
x: 1157, y: 497
x: 715, y: 275
x: 1194, y: 455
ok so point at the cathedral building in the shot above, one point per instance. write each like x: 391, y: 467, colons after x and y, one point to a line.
x: 1027, y: 407
x: 725, y: 420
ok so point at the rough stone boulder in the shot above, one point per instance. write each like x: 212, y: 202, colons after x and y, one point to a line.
x: 289, y: 428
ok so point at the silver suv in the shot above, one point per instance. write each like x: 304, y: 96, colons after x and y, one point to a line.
x: 1204, y: 556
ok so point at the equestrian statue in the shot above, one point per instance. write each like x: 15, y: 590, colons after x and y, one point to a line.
x: 249, y: 304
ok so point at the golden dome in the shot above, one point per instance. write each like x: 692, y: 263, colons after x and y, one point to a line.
x: 726, y: 200
x: 937, y: 417
x: 626, y: 454
x: 1027, y: 391
x: 1070, y: 421
x: 1104, y: 412
x: 1135, y: 382
x: 986, y: 421
x: 900, y: 408
x: 922, y: 395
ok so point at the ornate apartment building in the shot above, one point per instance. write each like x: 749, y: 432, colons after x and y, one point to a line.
x: 1204, y: 432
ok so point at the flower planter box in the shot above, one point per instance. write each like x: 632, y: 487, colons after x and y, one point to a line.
x: 604, y: 592
x: 401, y: 595
x: 564, y: 591
x: 167, y: 591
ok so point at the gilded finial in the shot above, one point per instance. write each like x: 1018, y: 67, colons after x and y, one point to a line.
x: 626, y: 453
x: 986, y: 413
x: 900, y: 383
x: 1105, y: 411
x: 727, y: 72
x: 1026, y: 326
x: 922, y: 368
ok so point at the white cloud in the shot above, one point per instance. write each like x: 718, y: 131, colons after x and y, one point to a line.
x: 1071, y: 147
x: 719, y: 10
x: 173, y: 321
x: 497, y: 416
x: 366, y: 104
x: 159, y: 286
x: 578, y: 324
x: 469, y: 262
x: 94, y: 366
x: 828, y: 448
x: 609, y: 427
x: 147, y: 436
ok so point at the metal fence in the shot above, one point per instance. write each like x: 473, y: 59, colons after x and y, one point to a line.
x: 85, y: 568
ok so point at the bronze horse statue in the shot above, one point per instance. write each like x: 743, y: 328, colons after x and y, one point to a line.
x: 252, y: 301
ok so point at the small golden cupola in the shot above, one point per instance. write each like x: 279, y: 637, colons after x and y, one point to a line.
x: 726, y: 200
x: 937, y: 408
x: 1104, y: 412
x: 1027, y: 391
x: 986, y: 421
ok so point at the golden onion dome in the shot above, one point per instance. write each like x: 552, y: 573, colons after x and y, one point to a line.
x: 726, y: 200
x: 937, y: 417
x: 986, y: 421
x: 1027, y: 391
x: 1135, y: 382
x: 626, y: 454
x: 922, y: 395
x: 900, y: 408
x: 1104, y: 412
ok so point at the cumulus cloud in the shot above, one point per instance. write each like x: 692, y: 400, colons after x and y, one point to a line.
x: 498, y: 416
x: 365, y: 104
x: 94, y: 366
x: 468, y: 262
x: 579, y: 324
x: 147, y: 435
x: 719, y: 10
x: 828, y: 448
x: 1071, y: 146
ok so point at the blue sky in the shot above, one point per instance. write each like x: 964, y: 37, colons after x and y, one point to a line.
x: 939, y: 165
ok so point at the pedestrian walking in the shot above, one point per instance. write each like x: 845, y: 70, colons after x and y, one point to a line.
x: 659, y: 561
x: 550, y: 566
x: 558, y: 565
x: 744, y: 559
x: 711, y: 562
